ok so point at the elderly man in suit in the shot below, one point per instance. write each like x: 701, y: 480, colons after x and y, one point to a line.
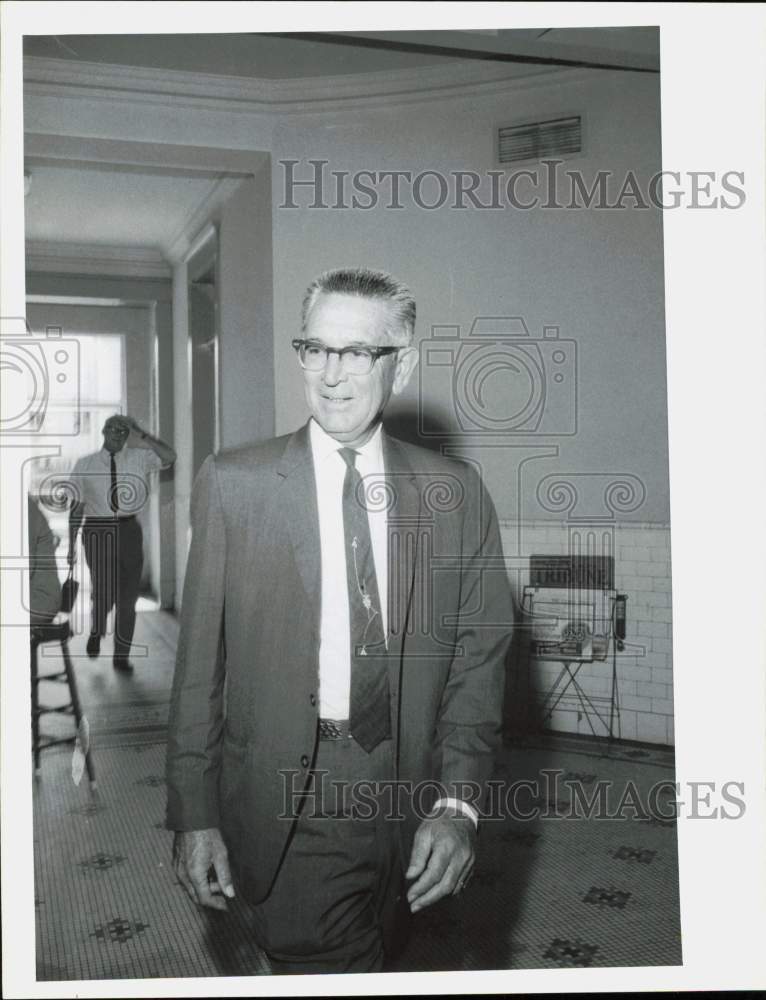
x: 338, y: 687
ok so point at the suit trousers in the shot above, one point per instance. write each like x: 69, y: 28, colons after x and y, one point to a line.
x: 341, y: 878
x: 114, y: 552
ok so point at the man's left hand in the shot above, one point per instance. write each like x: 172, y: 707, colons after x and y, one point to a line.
x: 442, y: 858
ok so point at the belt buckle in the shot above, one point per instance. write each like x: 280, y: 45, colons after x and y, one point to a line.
x: 329, y: 729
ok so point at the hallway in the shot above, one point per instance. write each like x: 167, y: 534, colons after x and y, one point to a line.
x: 546, y: 892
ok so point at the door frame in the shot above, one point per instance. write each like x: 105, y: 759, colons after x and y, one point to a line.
x: 173, y: 415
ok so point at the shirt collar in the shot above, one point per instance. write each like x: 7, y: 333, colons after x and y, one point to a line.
x: 323, y: 445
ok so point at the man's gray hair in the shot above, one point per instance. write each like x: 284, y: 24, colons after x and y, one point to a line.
x: 367, y: 284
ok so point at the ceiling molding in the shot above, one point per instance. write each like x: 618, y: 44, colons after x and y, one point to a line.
x: 174, y: 88
x: 178, y: 245
x: 89, y: 258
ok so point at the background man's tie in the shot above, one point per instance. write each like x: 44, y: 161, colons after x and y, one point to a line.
x: 113, y: 502
x: 370, y: 711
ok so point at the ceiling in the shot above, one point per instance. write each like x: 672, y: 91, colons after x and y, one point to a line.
x: 243, y: 55
x: 272, y: 57
x: 112, y: 206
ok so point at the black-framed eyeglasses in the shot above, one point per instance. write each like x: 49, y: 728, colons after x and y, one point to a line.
x: 354, y: 360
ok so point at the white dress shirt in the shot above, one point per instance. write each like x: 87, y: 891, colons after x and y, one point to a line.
x: 335, y: 647
x: 91, y: 479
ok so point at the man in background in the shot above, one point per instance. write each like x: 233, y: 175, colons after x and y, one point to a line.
x: 110, y: 489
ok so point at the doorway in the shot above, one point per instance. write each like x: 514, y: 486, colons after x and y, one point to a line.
x: 231, y: 308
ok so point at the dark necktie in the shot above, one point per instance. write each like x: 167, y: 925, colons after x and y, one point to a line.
x: 113, y: 502
x: 369, y: 711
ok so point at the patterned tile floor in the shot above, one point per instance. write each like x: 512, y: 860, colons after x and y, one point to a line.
x: 552, y: 891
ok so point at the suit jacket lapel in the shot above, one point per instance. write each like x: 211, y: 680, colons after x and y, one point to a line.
x: 299, y: 502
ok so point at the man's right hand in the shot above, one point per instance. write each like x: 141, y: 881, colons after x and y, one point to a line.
x: 195, y: 853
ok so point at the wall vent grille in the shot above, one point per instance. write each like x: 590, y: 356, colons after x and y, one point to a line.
x: 540, y: 140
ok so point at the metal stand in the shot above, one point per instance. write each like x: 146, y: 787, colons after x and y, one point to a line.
x: 573, y: 625
x: 569, y: 678
x: 40, y: 635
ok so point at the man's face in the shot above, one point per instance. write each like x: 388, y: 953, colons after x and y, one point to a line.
x: 348, y: 407
x: 115, y: 435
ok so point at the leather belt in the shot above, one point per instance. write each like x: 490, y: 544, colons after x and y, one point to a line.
x: 95, y: 521
x: 333, y: 729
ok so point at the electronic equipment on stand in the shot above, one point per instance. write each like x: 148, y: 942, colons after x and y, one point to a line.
x: 575, y: 617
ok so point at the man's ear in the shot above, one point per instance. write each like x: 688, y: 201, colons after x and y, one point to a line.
x: 406, y: 363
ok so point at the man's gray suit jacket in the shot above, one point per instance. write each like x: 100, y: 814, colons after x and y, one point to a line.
x: 243, y: 716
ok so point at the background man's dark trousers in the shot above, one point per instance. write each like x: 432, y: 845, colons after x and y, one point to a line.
x: 115, y: 556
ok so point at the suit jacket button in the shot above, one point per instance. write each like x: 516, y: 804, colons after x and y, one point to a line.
x: 304, y: 761
x: 313, y: 699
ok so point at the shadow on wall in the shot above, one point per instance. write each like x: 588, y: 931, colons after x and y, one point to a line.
x: 491, y: 934
x: 402, y: 422
x: 520, y: 711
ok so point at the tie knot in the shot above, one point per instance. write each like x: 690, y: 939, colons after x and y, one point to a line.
x: 349, y: 456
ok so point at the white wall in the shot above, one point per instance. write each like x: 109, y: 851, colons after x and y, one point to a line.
x: 596, y: 274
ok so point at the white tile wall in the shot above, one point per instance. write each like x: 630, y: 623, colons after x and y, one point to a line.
x: 645, y: 667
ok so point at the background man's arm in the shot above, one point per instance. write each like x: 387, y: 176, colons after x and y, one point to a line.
x: 196, y: 707
x: 470, y: 715
x: 76, y: 516
x: 140, y: 438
